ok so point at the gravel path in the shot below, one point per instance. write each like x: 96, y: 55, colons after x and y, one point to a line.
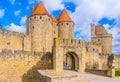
x: 96, y: 78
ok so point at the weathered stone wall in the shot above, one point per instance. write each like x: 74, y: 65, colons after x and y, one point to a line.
x: 95, y: 59
x: 55, y: 30
x: 107, y: 44
x: 69, y: 46
x: 92, y: 56
x: 11, y: 40
x: 104, y: 39
x: 27, y: 43
x: 40, y: 28
x: 66, y: 30
x: 22, y: 66
x: 117, y: 62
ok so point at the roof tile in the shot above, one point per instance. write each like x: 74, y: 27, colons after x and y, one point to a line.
x: 64, y: 17
x: 53, y: 18
x: 100, y: 30
x: 40, y: 9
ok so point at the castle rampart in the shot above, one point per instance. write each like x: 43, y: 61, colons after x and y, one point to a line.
x: 50, y: 42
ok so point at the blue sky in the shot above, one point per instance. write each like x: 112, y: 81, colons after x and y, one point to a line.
x: 13, y: 15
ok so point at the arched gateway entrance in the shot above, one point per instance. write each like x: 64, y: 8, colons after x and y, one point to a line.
x: 70, y: 61
x: 68, y: 55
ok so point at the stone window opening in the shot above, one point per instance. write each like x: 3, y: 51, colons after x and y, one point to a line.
x: 40, y: 17
x: 71, y: 41
x: 35, y: 17
x: 98, y: 40
x: 66, y: 23
x: 33, y: 27
x: 8, y: 43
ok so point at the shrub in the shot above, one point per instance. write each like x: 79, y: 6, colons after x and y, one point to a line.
x: 117, y: 72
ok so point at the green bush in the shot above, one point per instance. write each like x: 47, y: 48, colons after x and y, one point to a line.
x: 117, y: 72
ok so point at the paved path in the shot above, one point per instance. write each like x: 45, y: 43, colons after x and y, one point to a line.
x: 96, y: 78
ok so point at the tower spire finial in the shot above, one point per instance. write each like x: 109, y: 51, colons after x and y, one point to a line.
x: 32, y: 7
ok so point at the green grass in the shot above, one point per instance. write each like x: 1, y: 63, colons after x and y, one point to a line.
x: 117, y: 72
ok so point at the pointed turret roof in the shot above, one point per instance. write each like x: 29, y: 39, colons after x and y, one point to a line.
x: 53, y: 18
x: 64, y: 17
x: 40, y: 9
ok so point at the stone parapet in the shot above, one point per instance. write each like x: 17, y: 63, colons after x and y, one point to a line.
x: 71, y: 42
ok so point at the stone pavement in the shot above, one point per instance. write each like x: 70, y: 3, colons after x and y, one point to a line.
x: 96, y: 78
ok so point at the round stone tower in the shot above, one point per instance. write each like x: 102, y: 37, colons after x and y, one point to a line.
x: 39, y: 26
x: 65, y: 26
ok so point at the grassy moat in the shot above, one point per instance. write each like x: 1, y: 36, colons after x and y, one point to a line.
x: 117, y: 72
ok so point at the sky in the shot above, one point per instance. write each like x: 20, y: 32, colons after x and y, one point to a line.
x: 14, y: 13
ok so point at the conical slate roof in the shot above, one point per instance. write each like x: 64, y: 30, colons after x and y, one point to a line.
x: 64, y: 17
x: 40, y: 9
x: 53, y: 18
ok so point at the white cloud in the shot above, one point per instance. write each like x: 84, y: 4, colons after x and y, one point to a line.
x: 23, y: 20
x: 14, y: 27
x: 17, y: 12
x: 12, y: 2
x: 2, y: 11
x: 88, y: 12
x: 52, y: 5
x: 18, y: 28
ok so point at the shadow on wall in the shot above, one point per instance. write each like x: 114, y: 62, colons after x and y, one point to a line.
x: 45, y: 63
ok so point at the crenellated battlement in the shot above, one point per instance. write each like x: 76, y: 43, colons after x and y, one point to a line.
x: 71, y: 42
x: 8, y: 54
x: 94, y: 43
x: 8, y: 33
x: 94, y: 47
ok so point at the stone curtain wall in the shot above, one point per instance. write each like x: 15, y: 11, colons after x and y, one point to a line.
x: 117, y: 61
x: 19, y: 66
x: 11, y: 40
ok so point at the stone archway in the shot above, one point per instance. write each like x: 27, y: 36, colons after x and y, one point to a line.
x: 70, y: 61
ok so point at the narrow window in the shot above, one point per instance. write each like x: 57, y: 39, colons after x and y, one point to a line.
x: 66, y: 23
x: 8, y: 43
x: 40, y: 17
x: 35, y: 17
